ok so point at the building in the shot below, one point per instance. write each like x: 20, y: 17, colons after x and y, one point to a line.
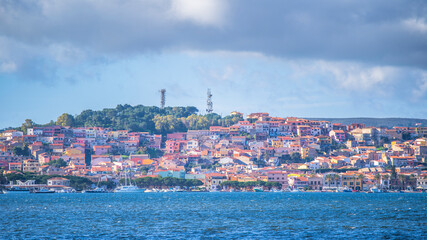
x: 31, y: 165
x: 298, y: 182
x: 15, y: 166
x: 315, y: 182
x: 278, y: 176
x: 351, y: 180
x: 213, y: 180
x: 58, y: 181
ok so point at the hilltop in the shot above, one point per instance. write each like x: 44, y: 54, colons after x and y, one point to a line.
x: 377, y: 122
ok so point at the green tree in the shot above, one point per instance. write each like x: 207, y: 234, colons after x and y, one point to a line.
x: 27, y: 124
x: 107, y: 184
x: 21, y: 151
x: 296, y: 157
x: 65, y: 120
x: 58, y: 163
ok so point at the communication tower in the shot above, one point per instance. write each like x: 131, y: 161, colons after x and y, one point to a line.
x: 209, y: 108
x: 163, y: 98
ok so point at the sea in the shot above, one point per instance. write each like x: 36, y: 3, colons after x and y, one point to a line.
x: 204, y: 215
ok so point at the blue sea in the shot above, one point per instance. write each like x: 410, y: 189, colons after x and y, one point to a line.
x: 214, y: 216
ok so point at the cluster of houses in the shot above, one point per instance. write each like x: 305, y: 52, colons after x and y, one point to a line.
x: 298, y: 153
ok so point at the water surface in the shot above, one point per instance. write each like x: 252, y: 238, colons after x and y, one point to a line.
x: 213, y: 216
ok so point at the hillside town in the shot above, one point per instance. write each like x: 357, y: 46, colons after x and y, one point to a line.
x: 294, y: 153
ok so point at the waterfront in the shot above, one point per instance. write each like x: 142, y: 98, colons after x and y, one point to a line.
x: 214, y: 215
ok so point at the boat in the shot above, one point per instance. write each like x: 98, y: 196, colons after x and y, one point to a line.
x: 345, y: 189
x: 375, y: 190
x: 97, y: 190
x: 43, y: 190
x: 258, y: 189
x: 128, y: 187
x: 295, y: 190
x: 17, y: 190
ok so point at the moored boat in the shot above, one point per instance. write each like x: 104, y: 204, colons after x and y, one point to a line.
x: 97, y: 190
x: 17, y: 190
x: 128, y: 189
x: 375, y: 190
x: 43, y: 190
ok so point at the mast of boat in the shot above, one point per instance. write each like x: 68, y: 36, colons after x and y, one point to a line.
x: 126, y: 183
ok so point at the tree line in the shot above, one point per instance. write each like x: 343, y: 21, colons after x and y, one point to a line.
x: 158, y: 182
x: 141, y: 118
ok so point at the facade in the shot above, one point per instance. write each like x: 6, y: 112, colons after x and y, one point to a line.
x: 280, y: 177
x: 30, y: 165
x: 58, y: 182
x: 213, y: 180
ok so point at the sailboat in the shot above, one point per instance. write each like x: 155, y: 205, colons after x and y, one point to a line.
x: 128, y: 187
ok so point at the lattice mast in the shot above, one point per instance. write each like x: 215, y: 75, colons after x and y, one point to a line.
x: 162, y: 98
x: 209, y: 108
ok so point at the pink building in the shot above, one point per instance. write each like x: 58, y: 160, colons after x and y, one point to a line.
x: 101, y: 150
x: 303, y: 130
x: 278, y: 176
x: 337, y: 135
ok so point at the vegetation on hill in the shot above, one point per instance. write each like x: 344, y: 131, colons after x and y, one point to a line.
x: 141, y: 118
x: 175, y: 119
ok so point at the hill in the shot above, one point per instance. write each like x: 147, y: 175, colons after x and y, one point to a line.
x: 141, y: 118
x: 377, y: 122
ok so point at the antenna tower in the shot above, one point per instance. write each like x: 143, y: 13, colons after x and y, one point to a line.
x: 163, y: 98
x: 209, y: 108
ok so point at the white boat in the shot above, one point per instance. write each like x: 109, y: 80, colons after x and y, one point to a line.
x: 43, y: 190
x: 97, y: 190
x: 345, y: 189
x: 128, y: 187
x: 376, y: 190
x: 151, y: 190
x: 16, y: 190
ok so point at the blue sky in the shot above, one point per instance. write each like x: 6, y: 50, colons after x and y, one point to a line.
x: 290, y: 58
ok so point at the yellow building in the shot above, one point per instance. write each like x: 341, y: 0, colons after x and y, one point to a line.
x: 72, y: 151
x: 276, y: 143
x: 352, y: 181
x: 308, y: 152
x: 303, y: 166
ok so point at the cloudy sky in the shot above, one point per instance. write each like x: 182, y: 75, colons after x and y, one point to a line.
x: 333, y: 58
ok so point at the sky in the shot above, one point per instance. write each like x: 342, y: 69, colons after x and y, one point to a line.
x: 326, y: 58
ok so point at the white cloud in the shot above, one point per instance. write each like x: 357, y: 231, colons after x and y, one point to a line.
x: 203, y: 12
x: 353, y: 76
x: 66, y: 54
x: 8, y: 67
x: 421, y: 89
x: 416, y: 24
